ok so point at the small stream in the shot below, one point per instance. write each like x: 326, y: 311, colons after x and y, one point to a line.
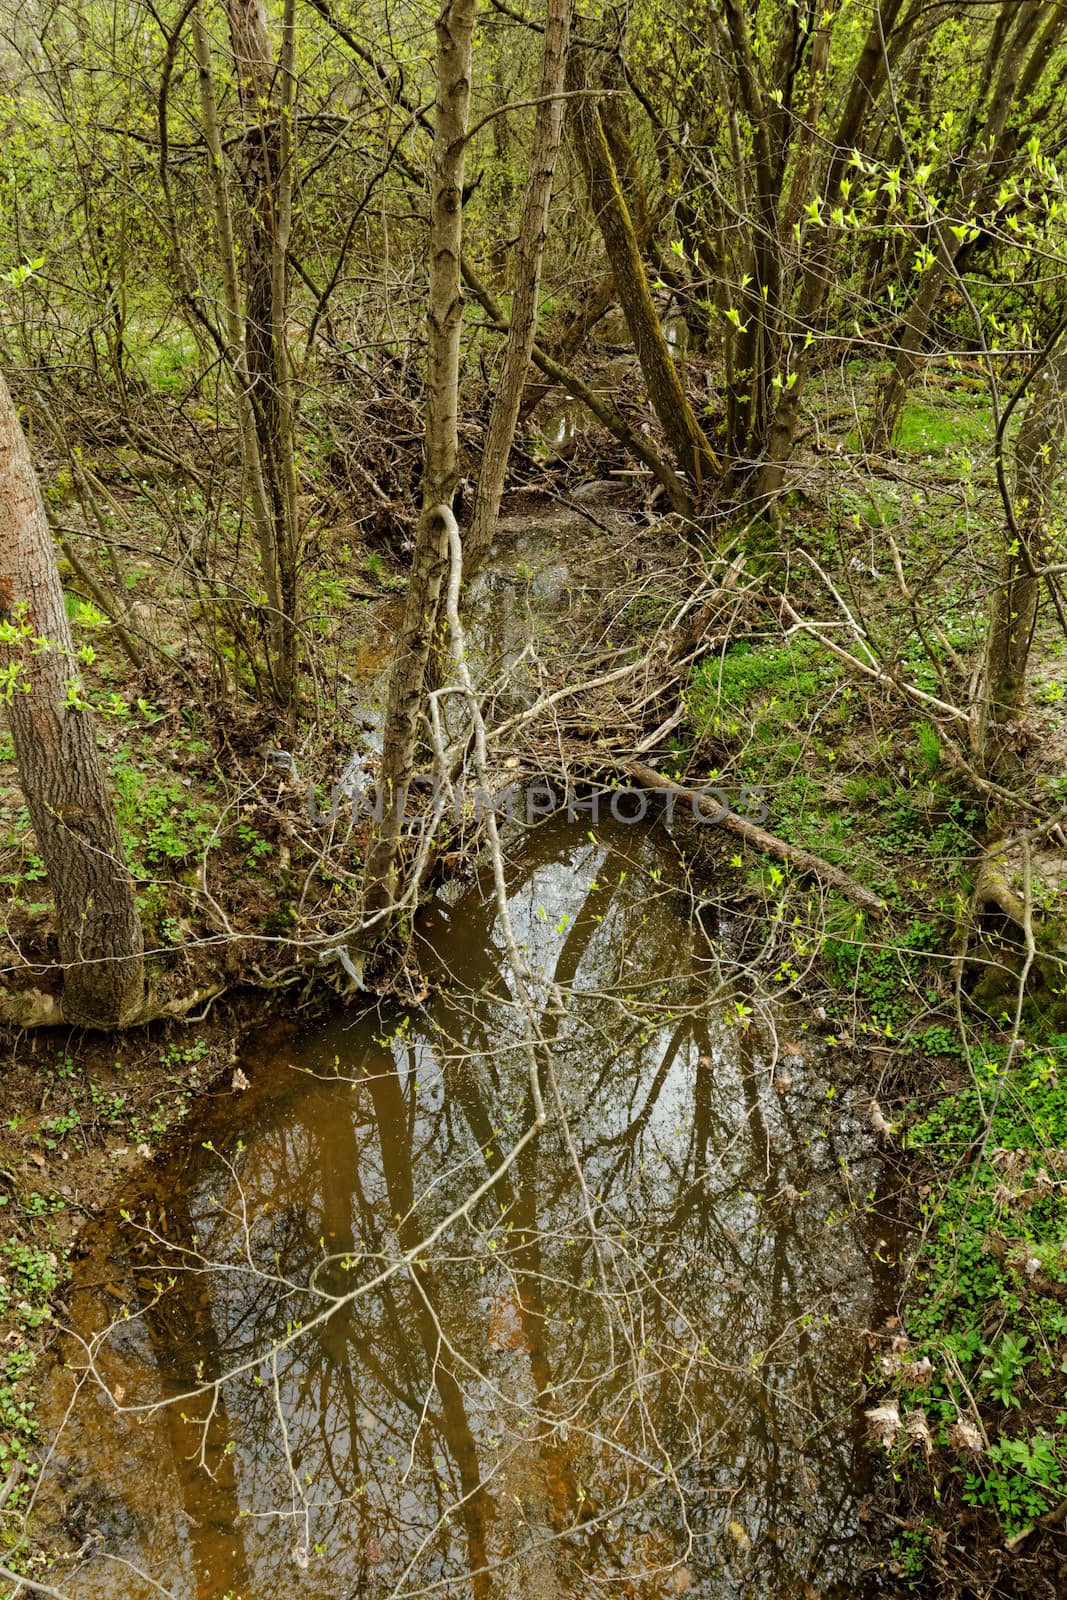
x: 512, y: 604
x: 565, y: 421
x: 644, y: 1383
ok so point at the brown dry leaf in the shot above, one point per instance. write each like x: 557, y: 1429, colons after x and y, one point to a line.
x: 920, y: 1373
x: 882, y: 1128
x: 918, y: 1431
x: 884, y: 1423
x: 964, y: 1436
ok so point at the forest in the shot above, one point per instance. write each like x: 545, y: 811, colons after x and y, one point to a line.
x: 533, y: 799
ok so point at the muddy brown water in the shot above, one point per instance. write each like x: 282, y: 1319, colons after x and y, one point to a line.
x: 644, y: 1384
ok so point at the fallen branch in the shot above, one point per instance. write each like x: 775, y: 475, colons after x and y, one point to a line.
x: 767, y: 843
x: 608, y: 415
x: 868, y: 669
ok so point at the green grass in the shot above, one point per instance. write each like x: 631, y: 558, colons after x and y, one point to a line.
x: 161, y: 823
x: 941, y: 429
x: 988, y: 1301
x: 750, y: 684
x: 167, y: 357
x: 959, y: 424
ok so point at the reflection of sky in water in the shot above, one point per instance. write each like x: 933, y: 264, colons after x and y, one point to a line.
x: 729, y: 1253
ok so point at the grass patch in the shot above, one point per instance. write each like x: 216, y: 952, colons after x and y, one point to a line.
x: 753, y: 684
x: 987, y: 1316
x: 932, y: 429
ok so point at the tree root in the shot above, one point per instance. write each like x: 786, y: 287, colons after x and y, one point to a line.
x: 34, y: 1008
x: 992, y: 887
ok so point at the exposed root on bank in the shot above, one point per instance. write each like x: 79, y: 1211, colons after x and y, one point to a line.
x: 36, y: 1008
x: 993, y: 887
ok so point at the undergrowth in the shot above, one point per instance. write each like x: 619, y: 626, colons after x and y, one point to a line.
x: 983, y: 1357
x: 972, y: 1375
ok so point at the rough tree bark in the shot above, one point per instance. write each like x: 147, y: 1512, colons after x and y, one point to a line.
x: 1013, y: 610
x: 100, y: 943
x: 533, y: 231
x: 665, y: 390
x: 257, y: 317
x: 422, y: 602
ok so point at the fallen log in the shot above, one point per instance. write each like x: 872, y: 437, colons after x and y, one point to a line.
x: 767, y: 843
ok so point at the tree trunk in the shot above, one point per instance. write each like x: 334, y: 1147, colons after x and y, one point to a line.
x: 533, y: 231
x: 100, y: 941
x: 1013, y: 610
x: 882, y: 48
x: 266, y: 169
x: 265, y: 166
x: 607, y: 414
x: 669, y: 401
x: 753, y: 348
x: 422, y: 602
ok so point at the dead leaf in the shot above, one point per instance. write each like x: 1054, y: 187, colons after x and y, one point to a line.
x: 964, y: 1436
x: 882, y: 1128
x: 884, y: 1424
x: 918, y: 1431
x: 239, y: 1083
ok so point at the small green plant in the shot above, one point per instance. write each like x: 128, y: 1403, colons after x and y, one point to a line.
x: 1015, y: 1120
x: 18, y: 1425
x: 109, y: 1105
x: 910, y: 1549
x: 56, y: 1128
x: 1005, y: 1365
x: 1020, y: 1479
x: 161, y: 823
x: 36, y: 1275
x: 752, y: 683
x: 929, y: 746
x: 255, y: 842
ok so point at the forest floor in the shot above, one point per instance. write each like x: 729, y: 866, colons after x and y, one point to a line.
x: 241, y: 885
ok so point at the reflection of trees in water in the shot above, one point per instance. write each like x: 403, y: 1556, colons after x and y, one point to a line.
x: 531, y: 1402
